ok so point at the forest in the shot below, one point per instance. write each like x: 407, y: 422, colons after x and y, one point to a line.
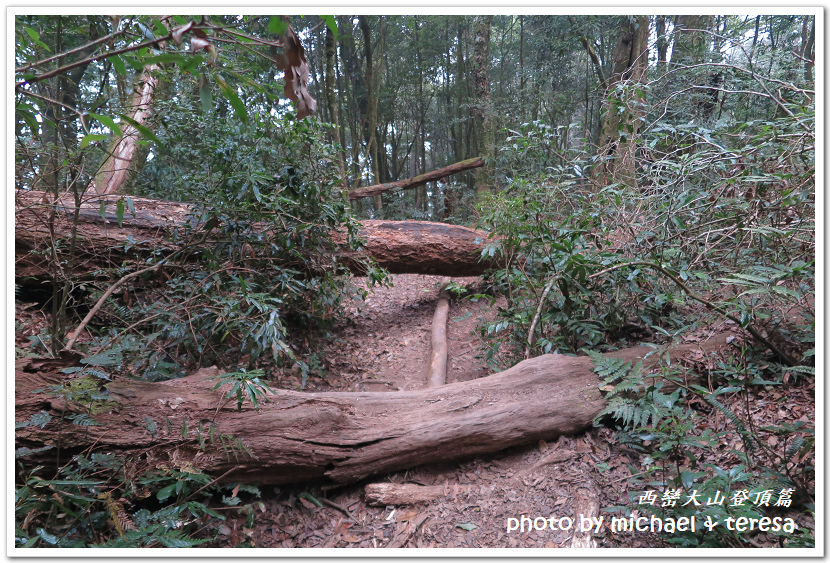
x: 415, y: 281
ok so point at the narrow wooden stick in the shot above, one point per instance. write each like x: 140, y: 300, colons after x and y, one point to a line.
x: 438, y: 363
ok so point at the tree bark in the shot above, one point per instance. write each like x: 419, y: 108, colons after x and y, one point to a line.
x: 483, y: 111
x: 385, y: 494
x: 662, y: 44
x: 437, y: 375
x: 623, y: 110
x: 372, y: 110
x: 414, y: 247
x: 808, y: 48
x: 335, y: 438
x: 692, y: 42
x: 418, y: 180
x: 114, y: 172
x: 333, y: 103
x: 116, y: 166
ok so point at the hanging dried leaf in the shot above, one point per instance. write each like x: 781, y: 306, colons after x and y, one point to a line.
x: 179, y: 32
x: 201, y: 42
x: 197, y: 43
x: 293, y: 63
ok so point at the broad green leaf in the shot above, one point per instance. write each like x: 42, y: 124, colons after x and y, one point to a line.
x: 47, y: 537
x: 331, y: 24
x: 129, y: 201
x: 159, y: 28
x: 119, y: 212
x: 469, y: 526
x: 165, y: 58
x: 138, y: 65
x: 92, y: 138
x: 177, y: 542
x: 166, y: 492
x: 205, y: 96
x: 141, y: 129
x: 36, y: 38
x: 146, y: 31
x: 238, y: 107
x: 118, y: 64
x: 277, y: 25
x: 108, y: 121
x: 192, y: 62
x: 28, y: 117
x: 106, y: 358
x: 750, y: 277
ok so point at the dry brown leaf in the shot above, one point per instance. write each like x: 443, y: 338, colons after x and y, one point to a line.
x: 180, y: 31
x: 293, y: 63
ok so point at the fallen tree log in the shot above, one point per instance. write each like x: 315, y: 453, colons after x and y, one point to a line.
x: 331, y: 437
x: 402, y: 247
x: 416, y: 181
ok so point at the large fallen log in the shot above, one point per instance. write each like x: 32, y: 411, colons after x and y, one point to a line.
x: 330, y: 437
x: 420, y: 180
x: 414, y: 247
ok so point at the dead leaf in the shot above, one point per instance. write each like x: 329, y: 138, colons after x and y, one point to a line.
x: 407, y: 515
x: 293, y: 63
x: 179, y: 32
x: 197, y: 44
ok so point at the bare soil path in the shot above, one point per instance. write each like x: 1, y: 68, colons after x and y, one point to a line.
x: 384, y: 345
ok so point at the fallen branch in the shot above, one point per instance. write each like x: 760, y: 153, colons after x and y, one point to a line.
x: 531, y: 332
x: 103, y: 299
x: 392, y: 494
x: 437, y: 375
x: 420, y: 180
x: 587, y: 506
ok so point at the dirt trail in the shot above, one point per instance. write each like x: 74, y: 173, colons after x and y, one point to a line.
x: 384, y: 345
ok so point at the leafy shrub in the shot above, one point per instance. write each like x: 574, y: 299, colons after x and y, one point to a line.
x: 260, y: 255
x: 102, y: 500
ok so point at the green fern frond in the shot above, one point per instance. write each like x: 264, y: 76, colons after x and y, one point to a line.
x: 747, y: 437
x: 793, y: 448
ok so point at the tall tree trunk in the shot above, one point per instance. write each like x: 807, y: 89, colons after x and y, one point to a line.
x: 121, y: 164
x: 808, y: 50
x: 483, y: 111
x: 418, y: 158
x: 60, y: 127
x: 692, y: 39
x: 460, y: 78
x: 371, y: 111
x: 662, y: 44
x: 341, y: 100
x: 624, y: 105
x: 59, y: 143
x: 357, y: 98
x: 331, y: 97
x: 522, y: 67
